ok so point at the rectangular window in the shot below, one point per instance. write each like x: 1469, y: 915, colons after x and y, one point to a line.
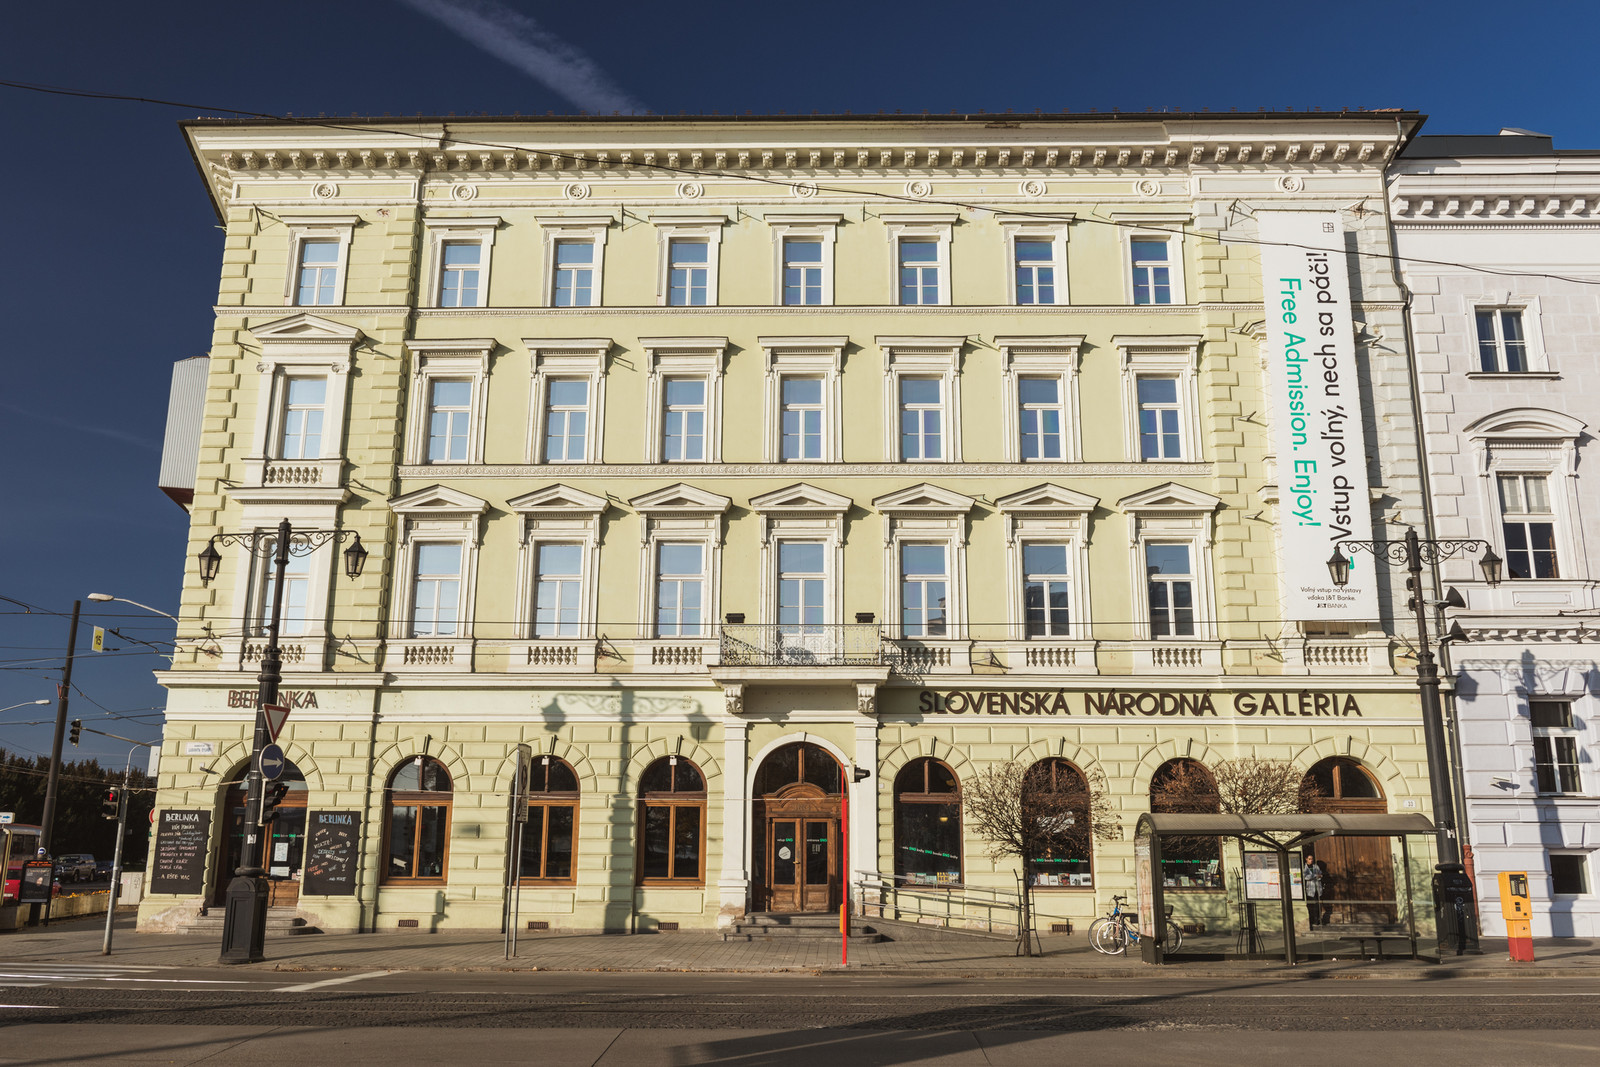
x: 566, y: 421
x: 1555, y: 747
x: 1171, y: 583
x: 436, y: 593
x: 801, y: 586
x: 1529, y: 526
x: 1569, y: 874
x: 802, y: 270
x: 303, y: 402
x: 924, y: 591
x: 680, y: 590
x: 1159, y: 433
x: 1036, y: 271
x: 558, y: 597
x: 296, y: 587
x: 801, y: 434
x: 684, y: 422
x: 1045, y: 593
x: 574, y: 274
x: 1041, y: 417
x: 1152, y: 273
x: 1502, y: 346
x: 319, y: 272
x: 919, y: 271
x: 688, y: 272
x: 459, y: 274
x: 921, y: 419
x: 449, y: 419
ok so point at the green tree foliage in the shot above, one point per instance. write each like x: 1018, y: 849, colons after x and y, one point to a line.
x: 80, y: 823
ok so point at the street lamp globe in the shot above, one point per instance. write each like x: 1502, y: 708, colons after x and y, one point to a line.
x: 1339, y: 567
x: 355, y: 558
x: 210, y: 562
x: 1491, y: 565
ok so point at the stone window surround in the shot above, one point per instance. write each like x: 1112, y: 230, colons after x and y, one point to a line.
x: 823, y: 227
x: 566, y: 358
x: 1143, y: 226
x: 1172, y: 514
x: 303, y: 228
x: 805, y: 357
x: 1056, y: 231
x: 922, y: 357
x: 680, y: 513
x: 437, y: 515
x: 683, y: 357
x: 1529, y: 441
x: 923, y: 226
x: 926, y: 514
x: 289, y: 350
x: 557, y: 515
x: 1532, y: 331
x: 1174, y: 355
x: 802, y: 513
x: 592, y: 228
x: 479, y: 230
x: 466, y: 359
x: 253, y: 571
x: 1055, y: 357
x: 1049, y: 514
x: 707, y: 228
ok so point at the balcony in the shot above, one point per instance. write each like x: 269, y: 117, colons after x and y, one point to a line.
x: 850, y: 644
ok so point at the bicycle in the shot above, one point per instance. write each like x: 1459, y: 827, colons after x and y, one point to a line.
x: 1110, y: 934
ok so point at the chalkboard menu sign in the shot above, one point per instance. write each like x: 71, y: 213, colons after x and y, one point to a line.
x: 330, y: 864
x: 180, y: 856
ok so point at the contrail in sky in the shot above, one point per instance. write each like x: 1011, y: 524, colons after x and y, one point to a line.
x: 521, y: 42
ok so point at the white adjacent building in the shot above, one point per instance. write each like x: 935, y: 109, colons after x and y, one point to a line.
x: 1500, y: 245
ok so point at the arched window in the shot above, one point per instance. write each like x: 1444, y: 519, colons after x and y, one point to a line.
x: 927, y: 824
x: 793, y: 766
x: 1185, y: 786
x: 417, y: 830
x: 672, y: 834
x: 1055, y: 805
x: 1340, y: 784
x: 549, y: 835
x: 1358, y: 883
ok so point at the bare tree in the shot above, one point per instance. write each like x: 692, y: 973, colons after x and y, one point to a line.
x: 1245, y: 786
x: 1049, y: 808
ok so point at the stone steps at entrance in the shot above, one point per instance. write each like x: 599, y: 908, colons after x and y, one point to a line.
x: 281, y: 922
x: 816, y: 925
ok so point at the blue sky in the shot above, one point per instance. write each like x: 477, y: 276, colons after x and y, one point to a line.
x: 114, y: 255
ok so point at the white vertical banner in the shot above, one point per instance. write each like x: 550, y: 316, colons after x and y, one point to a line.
x: 1323, y: 497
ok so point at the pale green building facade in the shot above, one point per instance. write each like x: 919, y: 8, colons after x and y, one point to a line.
x: 920, y: 444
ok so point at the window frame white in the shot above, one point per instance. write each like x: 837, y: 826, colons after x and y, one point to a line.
x: 820, y: 227
x: 1022, y: 228
x: 1168, y: 356
x: 459, y: 360
x: 557, y: 515
x: 926, y: 514
x: 1054, y: 515
x: 263, y: 516
x: 264, y: 575
x: 437, y: 515
x: 802, y: 513
x: 677, y: 514
x: 1168, y: 229
x: 683, y: 357
x: 1173, y: 514
x: 1056, y: 357
x: 286, y: 407
x: 303, y: 228
x: 1528, y: 441
x: 922, y: 357
x: 1526, y: 518
x: 566, y: 359
x: 1535, y: 354
x: 707, y: 228
x: 478, y: 230
x: 920, y: 226
x: 590, y: 228
x: 1585, y: 858
x: 300, y: 346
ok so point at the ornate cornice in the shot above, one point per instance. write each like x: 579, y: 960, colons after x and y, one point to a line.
x: 703, y: 471
x: 1494, y: 207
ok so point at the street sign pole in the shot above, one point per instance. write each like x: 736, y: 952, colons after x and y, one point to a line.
x: 116, y: 864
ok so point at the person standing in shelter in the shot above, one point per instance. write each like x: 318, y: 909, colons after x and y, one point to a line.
x: 1311, y: 882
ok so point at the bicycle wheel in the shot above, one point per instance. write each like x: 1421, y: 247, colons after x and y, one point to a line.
x: 1174, y: 936
x: 1096, y: 926
x: 1111, y: 939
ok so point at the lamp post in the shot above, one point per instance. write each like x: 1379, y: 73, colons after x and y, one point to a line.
x: 1450, y: 882
x: 245, y: 917
x: 27, y: 703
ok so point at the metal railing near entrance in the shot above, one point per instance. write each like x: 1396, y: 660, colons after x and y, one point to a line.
x: 849, y: 644
x: 952, y: 905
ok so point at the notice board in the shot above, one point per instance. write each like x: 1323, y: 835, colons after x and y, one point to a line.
x: 1262, y: 880
x: 179, y: 865
x: 331, y: 852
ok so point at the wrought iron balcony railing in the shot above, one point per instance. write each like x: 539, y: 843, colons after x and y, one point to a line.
x: 850, y: 644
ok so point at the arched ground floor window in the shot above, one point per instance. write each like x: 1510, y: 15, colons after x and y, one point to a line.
x: 927, y: 824
x: 672, y: 794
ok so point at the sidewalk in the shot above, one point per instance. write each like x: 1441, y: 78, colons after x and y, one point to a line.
x: 1064, y: 955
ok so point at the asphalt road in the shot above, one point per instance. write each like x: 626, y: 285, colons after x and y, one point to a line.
x: 111, y: 1013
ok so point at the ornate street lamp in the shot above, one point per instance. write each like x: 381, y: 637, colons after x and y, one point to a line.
x: 1450, y: 882
x: 245, y: 920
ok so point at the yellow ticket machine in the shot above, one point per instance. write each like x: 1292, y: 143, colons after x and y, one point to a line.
x: 1518, y: 911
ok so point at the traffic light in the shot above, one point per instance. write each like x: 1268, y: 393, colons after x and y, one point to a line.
x: 111, y: 806
x: 77, y: 731
x: 271, y: 797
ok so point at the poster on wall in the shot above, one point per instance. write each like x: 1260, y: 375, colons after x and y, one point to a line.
x: 179, y: 864
x: 1323, y: 496
x: 330, y: 867
x: 1263, y: 881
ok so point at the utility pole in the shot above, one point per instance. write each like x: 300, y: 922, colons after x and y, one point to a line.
x: 47, y: 824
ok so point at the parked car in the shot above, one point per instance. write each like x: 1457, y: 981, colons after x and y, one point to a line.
x: 75, y: 867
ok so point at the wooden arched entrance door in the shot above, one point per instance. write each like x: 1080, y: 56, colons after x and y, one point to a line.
x: 285, y: 836
x: 795, y: 831
x: 1357, y: 872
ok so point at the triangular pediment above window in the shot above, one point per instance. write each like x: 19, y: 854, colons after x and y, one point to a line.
x: 562, y: 499
x: 438, y: 500
x: 801, y: 497
x: 1171, y: 497
x: 1527, y: 423
x: 927, y: 498
x: 1048, y: 498
x: 303, y: 328
x: 683, y: 498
